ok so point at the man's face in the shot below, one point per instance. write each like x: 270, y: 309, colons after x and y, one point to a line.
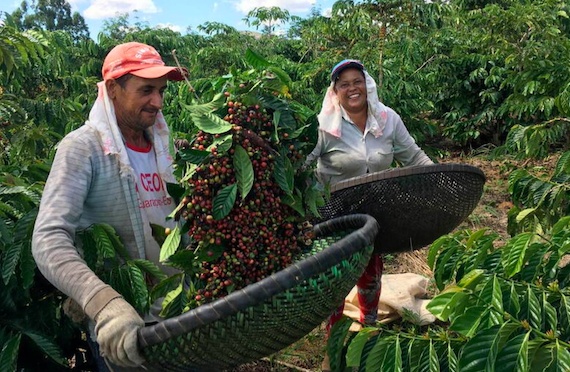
x: 351, y: 90
x: 137, y: 103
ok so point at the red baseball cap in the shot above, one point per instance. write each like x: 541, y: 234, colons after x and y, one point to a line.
x: 140, y: 60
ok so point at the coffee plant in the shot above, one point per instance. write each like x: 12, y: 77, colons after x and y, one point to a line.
x: 246, y: 199
x: 34, y: 333
x: 501, y: 307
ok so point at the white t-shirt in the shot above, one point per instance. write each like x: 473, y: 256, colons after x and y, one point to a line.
x: 154, y: 202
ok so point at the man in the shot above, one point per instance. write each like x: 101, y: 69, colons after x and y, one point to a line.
x: 111, y: 170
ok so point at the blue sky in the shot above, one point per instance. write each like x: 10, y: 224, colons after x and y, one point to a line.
x: 178, y: 15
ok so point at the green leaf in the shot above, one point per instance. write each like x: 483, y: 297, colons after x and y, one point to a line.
x: 514, y: 354
x: 564, y: 312
x: 138, y: 290
x: 158, y: 233
x: 104, y: 244
x: 492, y: 295
x: 149, y: 267
x: 378, y: 354
x: 9, y: 354
x: 467, y: 323
x: 171, y: 244
x: 223, y: 143
x: 541, y: 355
x: 434, y: 250
x: 471, y: 279
x: 51, y: 349
x: 512, y: 304
x: 443, y: 272
x: 550, y: 318
x: 224, y: 201
x: 294, y: 201
x: 443, y: 304
x: 10, y: 260
x: 562, y: 357
x: 524, y: 213
x: 354, y: 351
x: 244, y: 171
x: 452, y: 361
x: 480, y: 352
x: 284, y: 174
x: 210, y: 123
x: 255, y: 60
x: 173, y: 302
x: 27, y: 267
x: 193, y: 156
x: 166, y: 285
x: 514, y: 253
x: 433, y: 358
x: 335, y: 342
x: 209, y: 252
x: 533, y: 309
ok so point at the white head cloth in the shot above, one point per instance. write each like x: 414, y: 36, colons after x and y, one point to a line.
x: 330, y: 117
x: 102, y: 118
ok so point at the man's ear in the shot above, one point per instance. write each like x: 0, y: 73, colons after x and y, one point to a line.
x: 111, y: 86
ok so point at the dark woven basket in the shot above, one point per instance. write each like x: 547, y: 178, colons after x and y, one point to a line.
x: 267, y: 316
x: 413, y: 205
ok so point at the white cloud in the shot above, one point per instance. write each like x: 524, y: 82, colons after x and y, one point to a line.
x: 170, y: 26
x: 100, y: 9
x: 293, y: 6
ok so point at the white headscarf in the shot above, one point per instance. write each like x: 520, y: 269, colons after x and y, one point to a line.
x: 102, y: 118
x: 330, y: 117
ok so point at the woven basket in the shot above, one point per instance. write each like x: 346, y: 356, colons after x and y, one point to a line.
x: 413, y: 205
x: 269, y: 315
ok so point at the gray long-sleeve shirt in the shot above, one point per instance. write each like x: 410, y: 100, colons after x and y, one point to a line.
x: 356, y: 153
x: 84, y: 187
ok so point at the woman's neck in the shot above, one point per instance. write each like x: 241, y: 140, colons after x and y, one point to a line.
x: 359, y: 118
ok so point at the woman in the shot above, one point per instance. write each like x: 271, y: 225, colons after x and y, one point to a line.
x: 359, y: 135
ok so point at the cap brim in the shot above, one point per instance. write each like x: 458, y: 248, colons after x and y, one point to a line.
x: 155, y: 72
x: 342, y: 67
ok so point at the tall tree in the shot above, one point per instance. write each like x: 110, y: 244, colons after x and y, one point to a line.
x: 50, y: 15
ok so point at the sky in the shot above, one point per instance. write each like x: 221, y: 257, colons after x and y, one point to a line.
x: 178, y: 15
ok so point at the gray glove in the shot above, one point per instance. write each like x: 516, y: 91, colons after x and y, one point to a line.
x: 116, y: 328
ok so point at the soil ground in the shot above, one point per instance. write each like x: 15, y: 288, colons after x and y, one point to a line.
x: 491, y: 212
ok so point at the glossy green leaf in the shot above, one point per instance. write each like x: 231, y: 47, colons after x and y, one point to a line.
x: 244, y: 172
x: 492, y: 295
x: 514, y: 354
x: 467, y: 323
x: 193, y: 156
x: 533, y: 308
x: 378, y: 354
x: 173, y: 301
x: 514, y: 253
x: 171, y: 244
x: 472, y: 279
x: 10, y: 259
x: 480, y: 352
x: 9, y: 354
x: 549, y: 316
x: 452, y: 360
x: 564, y: 313
x: 443, y: 304
x: 47, y: 345
x: 210, y: 123
x: 354, y: 351
x: 335, y: 342
x: 284, y: 174
x: 224, y: 201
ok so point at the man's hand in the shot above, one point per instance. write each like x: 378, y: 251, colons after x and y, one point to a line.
x: 116, y: 328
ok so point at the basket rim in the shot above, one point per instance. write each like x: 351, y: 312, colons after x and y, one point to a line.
x: 365, y: 230
x: 407, y: 171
